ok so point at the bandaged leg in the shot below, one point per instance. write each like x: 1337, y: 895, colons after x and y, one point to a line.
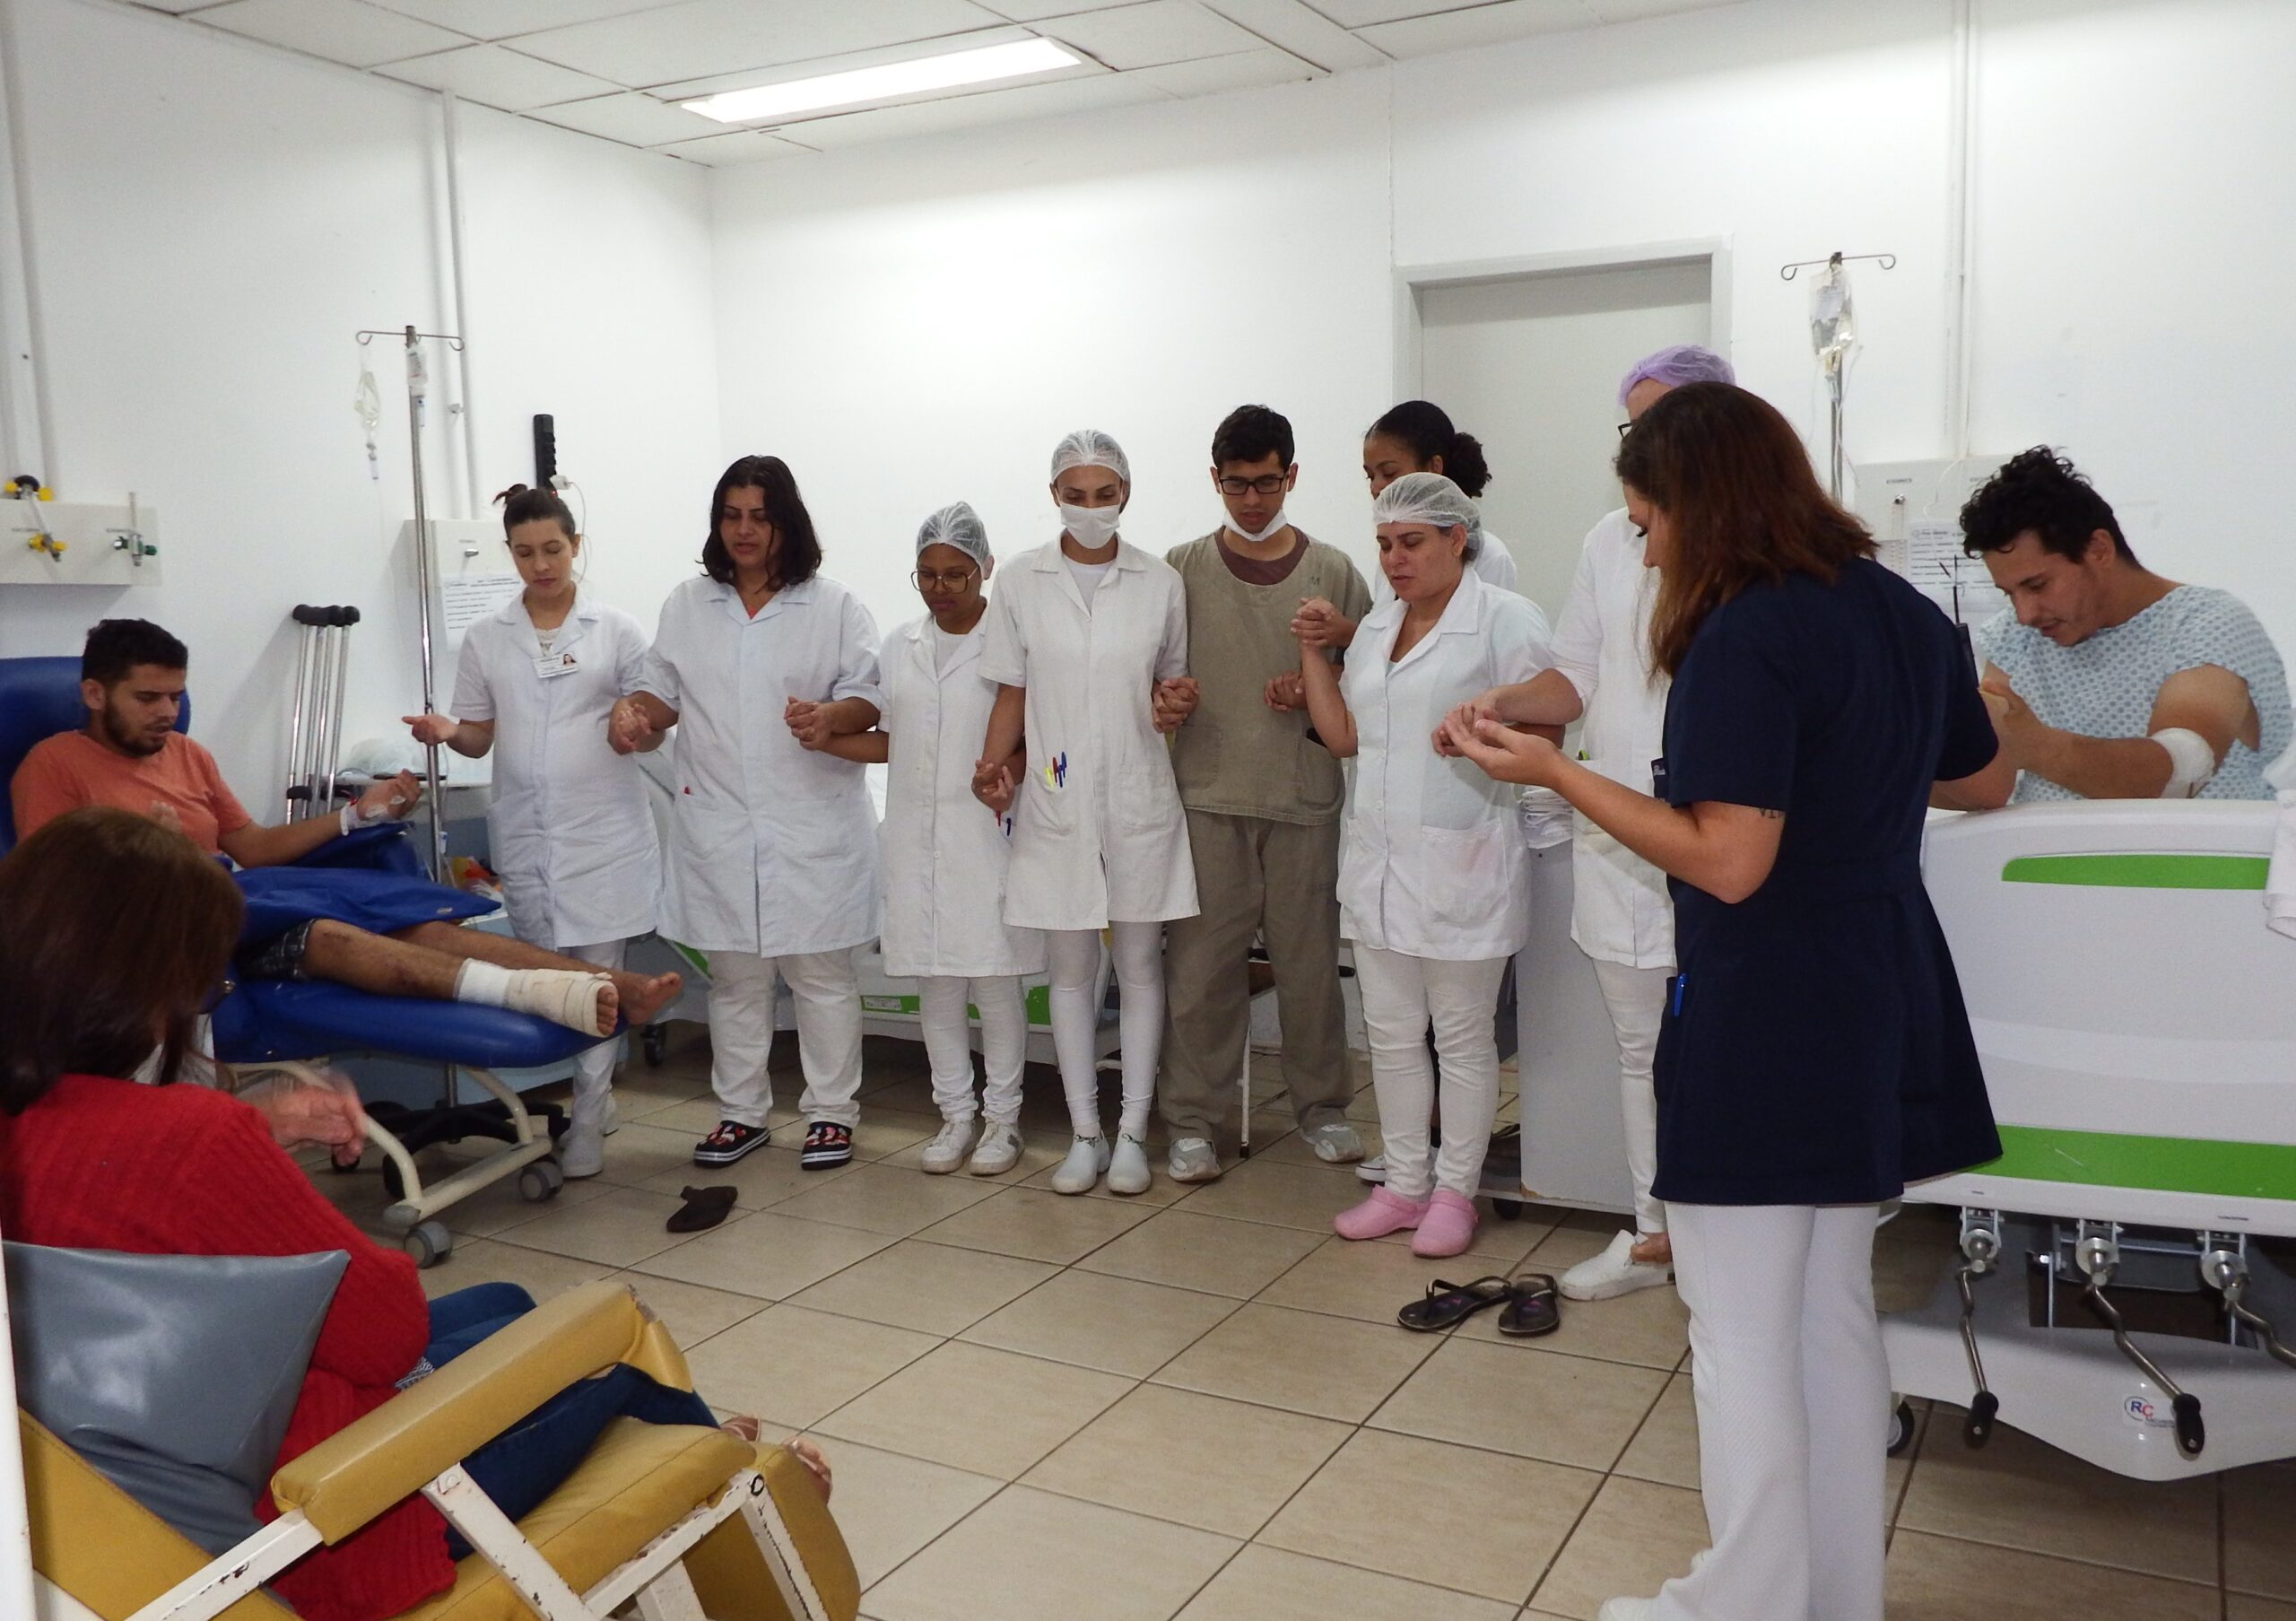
x: 579, y: 1001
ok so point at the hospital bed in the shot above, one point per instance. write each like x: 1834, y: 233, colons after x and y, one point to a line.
x: 271, y: 1024
x: 2137, y: 1024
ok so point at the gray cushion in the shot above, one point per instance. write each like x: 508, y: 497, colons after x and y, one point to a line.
x: 174, y: 1375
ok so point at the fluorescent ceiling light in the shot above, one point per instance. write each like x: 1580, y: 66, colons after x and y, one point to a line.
x: 978, y: 66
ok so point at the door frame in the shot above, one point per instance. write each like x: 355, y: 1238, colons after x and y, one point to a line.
x: 1411, y: 281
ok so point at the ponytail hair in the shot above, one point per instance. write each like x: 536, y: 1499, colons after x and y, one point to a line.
x: 1422, y: 428
x: 524, y: 503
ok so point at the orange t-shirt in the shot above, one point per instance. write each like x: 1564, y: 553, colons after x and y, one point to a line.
x: 72, y: 770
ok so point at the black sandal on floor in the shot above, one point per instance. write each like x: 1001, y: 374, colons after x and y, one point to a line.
x: 704, y: 1208
x: 1447, y: 1303
x: 1534, y: 1310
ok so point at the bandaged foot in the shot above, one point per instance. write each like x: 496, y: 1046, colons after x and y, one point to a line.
x: 587, y: 1002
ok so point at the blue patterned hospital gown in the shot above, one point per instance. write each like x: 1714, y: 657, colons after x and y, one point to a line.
x: 2105, y: 686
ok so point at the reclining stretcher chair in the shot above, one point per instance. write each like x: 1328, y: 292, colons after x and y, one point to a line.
x: 275, y: 1022
x: 694, y: 1524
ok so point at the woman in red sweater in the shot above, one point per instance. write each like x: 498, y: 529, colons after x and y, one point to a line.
x: 114, y: 934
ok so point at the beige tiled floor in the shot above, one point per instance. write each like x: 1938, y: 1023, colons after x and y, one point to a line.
x: 1197, y: 1405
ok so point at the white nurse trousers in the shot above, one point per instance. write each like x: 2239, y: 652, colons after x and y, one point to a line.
x: 947, y: 1028
x: 828, y: 995
x: 594, y: 1066
x: 1403, y: 998
x: 1793, y: 1393
x: 1637, y: 1000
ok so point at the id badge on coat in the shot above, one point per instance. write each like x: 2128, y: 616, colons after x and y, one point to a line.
x: 549, y: 667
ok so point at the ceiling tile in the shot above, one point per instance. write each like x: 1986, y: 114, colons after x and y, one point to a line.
x: 1297, y: 27
x: 497, y: 76
x: 1245, y: 70
x: 1151, y: 34
x: 738, y: 146
x: 1479, y: 25
x: 501, y: 19
x: 174, y: 7
x: 986, y: 106
x: 1035, y: 11
x: 340, y: 30
x: 1365, y: 13
x: 699, y: 38
x: 1631, y: 11
x: 634, y: 117
x: 845, y: 61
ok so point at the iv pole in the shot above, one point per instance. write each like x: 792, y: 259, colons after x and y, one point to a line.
x: 417, y: 390
x: 1833, y: 333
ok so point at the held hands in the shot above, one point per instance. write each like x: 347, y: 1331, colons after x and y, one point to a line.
x: 1286, y: 693
x: 1502, y: 755
x: 992, y: 786
x: 809, y: 723
x: 1172, y: 702
x: 628, y: 727
x: 1464, y: 718
x: 1319, y: 624
x: 432, y: 731
x: 2012, y: 721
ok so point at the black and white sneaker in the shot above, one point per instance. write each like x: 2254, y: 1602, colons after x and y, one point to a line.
x: 827, y: 1145
x: 728, y: 1143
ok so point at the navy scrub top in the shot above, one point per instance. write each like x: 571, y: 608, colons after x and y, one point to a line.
x: 1816, y: 1049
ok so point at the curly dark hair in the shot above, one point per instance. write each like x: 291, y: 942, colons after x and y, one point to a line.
x: 2039, y: 491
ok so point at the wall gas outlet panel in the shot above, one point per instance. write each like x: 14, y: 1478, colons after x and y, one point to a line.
x: 68, y: 543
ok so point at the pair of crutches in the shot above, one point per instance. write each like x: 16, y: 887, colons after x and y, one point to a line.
x: 314, y: 737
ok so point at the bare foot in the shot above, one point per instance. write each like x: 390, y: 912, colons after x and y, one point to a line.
x: 741, y: 1426
x: 805, y: 1452
x: 1655, y: 1251
x: 642, y: 998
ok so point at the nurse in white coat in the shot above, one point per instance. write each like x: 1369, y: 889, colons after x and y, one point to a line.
x: 1620, y: 914
x: 944, y: 857
x: 570, y: 832
x: 1084, y: 636
x: 1433, y: 883
x: 772, y: 868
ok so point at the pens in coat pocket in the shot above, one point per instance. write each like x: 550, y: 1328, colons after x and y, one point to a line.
x: 1681, y: 980
x: 1055, y: 771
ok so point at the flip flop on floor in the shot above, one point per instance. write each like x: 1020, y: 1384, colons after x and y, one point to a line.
x: 1532, y: 1309
x: 704, y: 1207
x: 1448, y: 1303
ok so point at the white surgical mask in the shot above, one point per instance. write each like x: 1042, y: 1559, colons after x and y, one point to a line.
x: 1091, y: 528
x: 1272, y: 525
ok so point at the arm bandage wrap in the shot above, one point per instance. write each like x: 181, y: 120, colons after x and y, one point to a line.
x: 2191, y: 762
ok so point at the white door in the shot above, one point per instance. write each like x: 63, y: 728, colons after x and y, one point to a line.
x: 1530, y: 365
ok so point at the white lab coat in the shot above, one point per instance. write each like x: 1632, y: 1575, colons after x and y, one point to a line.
x: 1434, y: 864
x: 1491, y: 563
x: 943, y: 854
x: 1620, y: 911
x: 773, y: 847
x: 1097, y: 834
x: 570, y: 833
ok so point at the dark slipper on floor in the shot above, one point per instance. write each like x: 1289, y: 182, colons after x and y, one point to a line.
x: 1534, y: 1309
x: 1448, y: 1303
x: 704, y: 1207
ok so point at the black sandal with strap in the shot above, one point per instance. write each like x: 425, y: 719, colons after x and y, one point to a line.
x: 1532, y: 1309
x: 1447, y: 1303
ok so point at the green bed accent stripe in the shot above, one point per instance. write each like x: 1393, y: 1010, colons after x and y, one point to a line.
x: 2167, y: 1164
x: 2140, y: 871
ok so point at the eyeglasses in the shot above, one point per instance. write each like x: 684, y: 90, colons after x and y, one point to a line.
x: 1267, y: 484
x: 925, y: 579
x: 1622, y: 429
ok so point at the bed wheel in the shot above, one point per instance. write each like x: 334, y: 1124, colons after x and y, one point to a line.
x: 541, y: 1180
x: 1507, y: 1209
x: 1900, y: 1428
x: 654, y: 1041
x: 428, y: 1244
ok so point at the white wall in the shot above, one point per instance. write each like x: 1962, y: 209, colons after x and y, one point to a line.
x: 913, y: 322
x: 211, y: 222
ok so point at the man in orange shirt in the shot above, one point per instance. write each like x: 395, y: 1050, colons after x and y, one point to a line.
x: 379, y: 932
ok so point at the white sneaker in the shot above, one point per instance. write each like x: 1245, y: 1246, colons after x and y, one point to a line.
x: 1192, y: 1160
x: 998, y: 1150
x: 1624, y: 1609
x: 947, y: 1151
x: 1612, y: 1273
x: 1373, y: 1169
x: 582, y: 1151
x: 1128, y: 1165
x: 1088, y: 1157
x: 1335, y: 1142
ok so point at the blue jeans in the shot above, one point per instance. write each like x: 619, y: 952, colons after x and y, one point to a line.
x: 527, y: 1461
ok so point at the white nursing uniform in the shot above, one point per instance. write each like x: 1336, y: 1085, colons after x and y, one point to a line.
x: 1492, y: 563
x: 1097, y: 834
x: 1620, y: 910
x: 944, y: 853
x: 773, y: 848
x: 571, y: 836
x: 1434, y: 864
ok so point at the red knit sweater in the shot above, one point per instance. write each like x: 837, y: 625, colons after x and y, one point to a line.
x: 103, y: 1164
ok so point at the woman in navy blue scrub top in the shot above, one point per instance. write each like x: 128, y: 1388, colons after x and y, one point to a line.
x: 1815, y: 1056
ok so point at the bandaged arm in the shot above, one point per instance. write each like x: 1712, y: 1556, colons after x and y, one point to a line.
x: 2197, y: 717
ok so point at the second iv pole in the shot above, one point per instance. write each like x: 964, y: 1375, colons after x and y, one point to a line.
x: 418, y: 385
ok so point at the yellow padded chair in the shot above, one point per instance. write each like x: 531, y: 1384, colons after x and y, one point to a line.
x: 693, y: 1524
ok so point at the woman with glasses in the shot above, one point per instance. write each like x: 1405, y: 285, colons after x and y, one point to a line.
x: 1084, y: 638
x: 942, y: 857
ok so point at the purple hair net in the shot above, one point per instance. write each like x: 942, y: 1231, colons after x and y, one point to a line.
x: 1676, y: 364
